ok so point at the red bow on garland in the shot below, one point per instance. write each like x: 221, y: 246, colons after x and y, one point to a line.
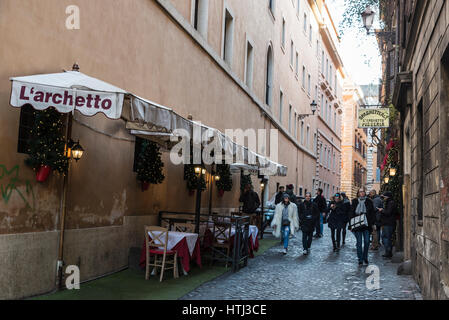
x: 390, y: 145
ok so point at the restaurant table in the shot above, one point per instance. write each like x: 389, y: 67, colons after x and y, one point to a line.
x: 187, y: 246
x: 253, y: 240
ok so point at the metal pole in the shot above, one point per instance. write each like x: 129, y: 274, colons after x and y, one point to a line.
x: 262, y: 216
x: 64, y: 207
x: 210, y: 190
x: 198, y: 205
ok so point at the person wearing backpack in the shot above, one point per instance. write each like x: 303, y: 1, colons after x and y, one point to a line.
x: 285, y: 220
x: 388, y: 222
x: 362, y: 205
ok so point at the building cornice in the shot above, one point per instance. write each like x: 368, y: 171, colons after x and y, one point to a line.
x: 416, y: 23
x: 326, y: 33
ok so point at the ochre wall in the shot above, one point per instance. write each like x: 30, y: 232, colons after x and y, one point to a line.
x: 135, y: 45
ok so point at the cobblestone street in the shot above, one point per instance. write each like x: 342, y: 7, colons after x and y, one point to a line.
x: 323, y: 275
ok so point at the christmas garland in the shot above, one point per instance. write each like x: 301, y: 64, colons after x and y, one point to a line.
x: 46, y: 146
x: 394, y: 184
x: 192, y: 179
x: 225, y: 182
x: 245, y: 180
x: 149, y: 164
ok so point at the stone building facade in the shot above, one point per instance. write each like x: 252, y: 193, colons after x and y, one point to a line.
x: 417, y: 74
x: 354, y: 142
x: 230, y: 64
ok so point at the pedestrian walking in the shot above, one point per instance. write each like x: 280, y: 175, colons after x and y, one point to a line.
x: 309, y: 214
x: 285, y: 220
x: 363, y: 210
x: 347, y: 213
x: 279, y: 195
x: 388, y: 222
x: 291, y: 193
x: 320, y: 201
x: 251, y: 202
x: 378, y: 204
x: 336, y: 220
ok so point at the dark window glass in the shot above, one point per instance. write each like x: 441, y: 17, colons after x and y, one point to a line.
x: 138, y: 146
x: 27, y: 117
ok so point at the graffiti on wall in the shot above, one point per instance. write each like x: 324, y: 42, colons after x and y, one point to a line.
x: 9, y: 182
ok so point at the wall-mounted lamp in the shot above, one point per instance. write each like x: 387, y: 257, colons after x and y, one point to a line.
x: 393, y: 172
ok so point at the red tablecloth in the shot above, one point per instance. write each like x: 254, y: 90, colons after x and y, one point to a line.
x: 183, y: 252
x: 252, y: 245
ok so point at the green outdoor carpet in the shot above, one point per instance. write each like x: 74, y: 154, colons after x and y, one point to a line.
x: 131, y: 284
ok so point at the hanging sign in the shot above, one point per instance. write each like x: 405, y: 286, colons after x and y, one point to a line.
x: 66, y: 100
x: 374, y: 118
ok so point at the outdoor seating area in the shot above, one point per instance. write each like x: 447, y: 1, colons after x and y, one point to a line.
x: 227, y: 240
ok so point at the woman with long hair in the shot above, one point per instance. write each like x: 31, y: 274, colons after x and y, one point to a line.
x: 362, y: 205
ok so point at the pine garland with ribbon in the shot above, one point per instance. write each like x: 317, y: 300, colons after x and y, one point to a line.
x: 192, y: 179
x: 245, y: 180
x: 46, y: 146
x: 225, y: 182
x: 394, y: 184
x: 149, y: 164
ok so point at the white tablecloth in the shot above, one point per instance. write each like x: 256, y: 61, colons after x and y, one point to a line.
x: 253, y: 231
x: 174, y: 237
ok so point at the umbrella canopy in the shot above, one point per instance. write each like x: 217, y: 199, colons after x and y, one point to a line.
x: 68, y: 91
x: 72, y: 90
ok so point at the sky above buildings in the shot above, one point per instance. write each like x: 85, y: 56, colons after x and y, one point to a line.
x: 359, y: 51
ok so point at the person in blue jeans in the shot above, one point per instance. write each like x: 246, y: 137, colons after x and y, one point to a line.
x: 285, y: 220
x: 362, y: 205
x: 388, y: 222
x: 321, y: 203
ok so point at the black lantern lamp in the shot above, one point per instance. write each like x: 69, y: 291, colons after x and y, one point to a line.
x: 77, y: 151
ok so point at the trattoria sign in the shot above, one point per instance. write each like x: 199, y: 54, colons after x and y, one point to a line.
x: 374, y: 118
x: 66, y: 100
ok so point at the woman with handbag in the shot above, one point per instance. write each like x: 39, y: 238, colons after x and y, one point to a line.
x: 361, y: 223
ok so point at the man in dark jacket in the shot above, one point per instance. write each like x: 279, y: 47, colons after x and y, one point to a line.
x: 291, y: 194
x: 250, y: 200
x: 388, y: 222
x: 309, y: 214
x: 377, y: 203
x: 362, y: 205
x: 320, y: 201
x: 337, y: 219
x: 279, y: 195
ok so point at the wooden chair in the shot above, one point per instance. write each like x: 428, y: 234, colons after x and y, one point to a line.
x: 222, y: 240
x: 157, y: 247
x: 184, y: 227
